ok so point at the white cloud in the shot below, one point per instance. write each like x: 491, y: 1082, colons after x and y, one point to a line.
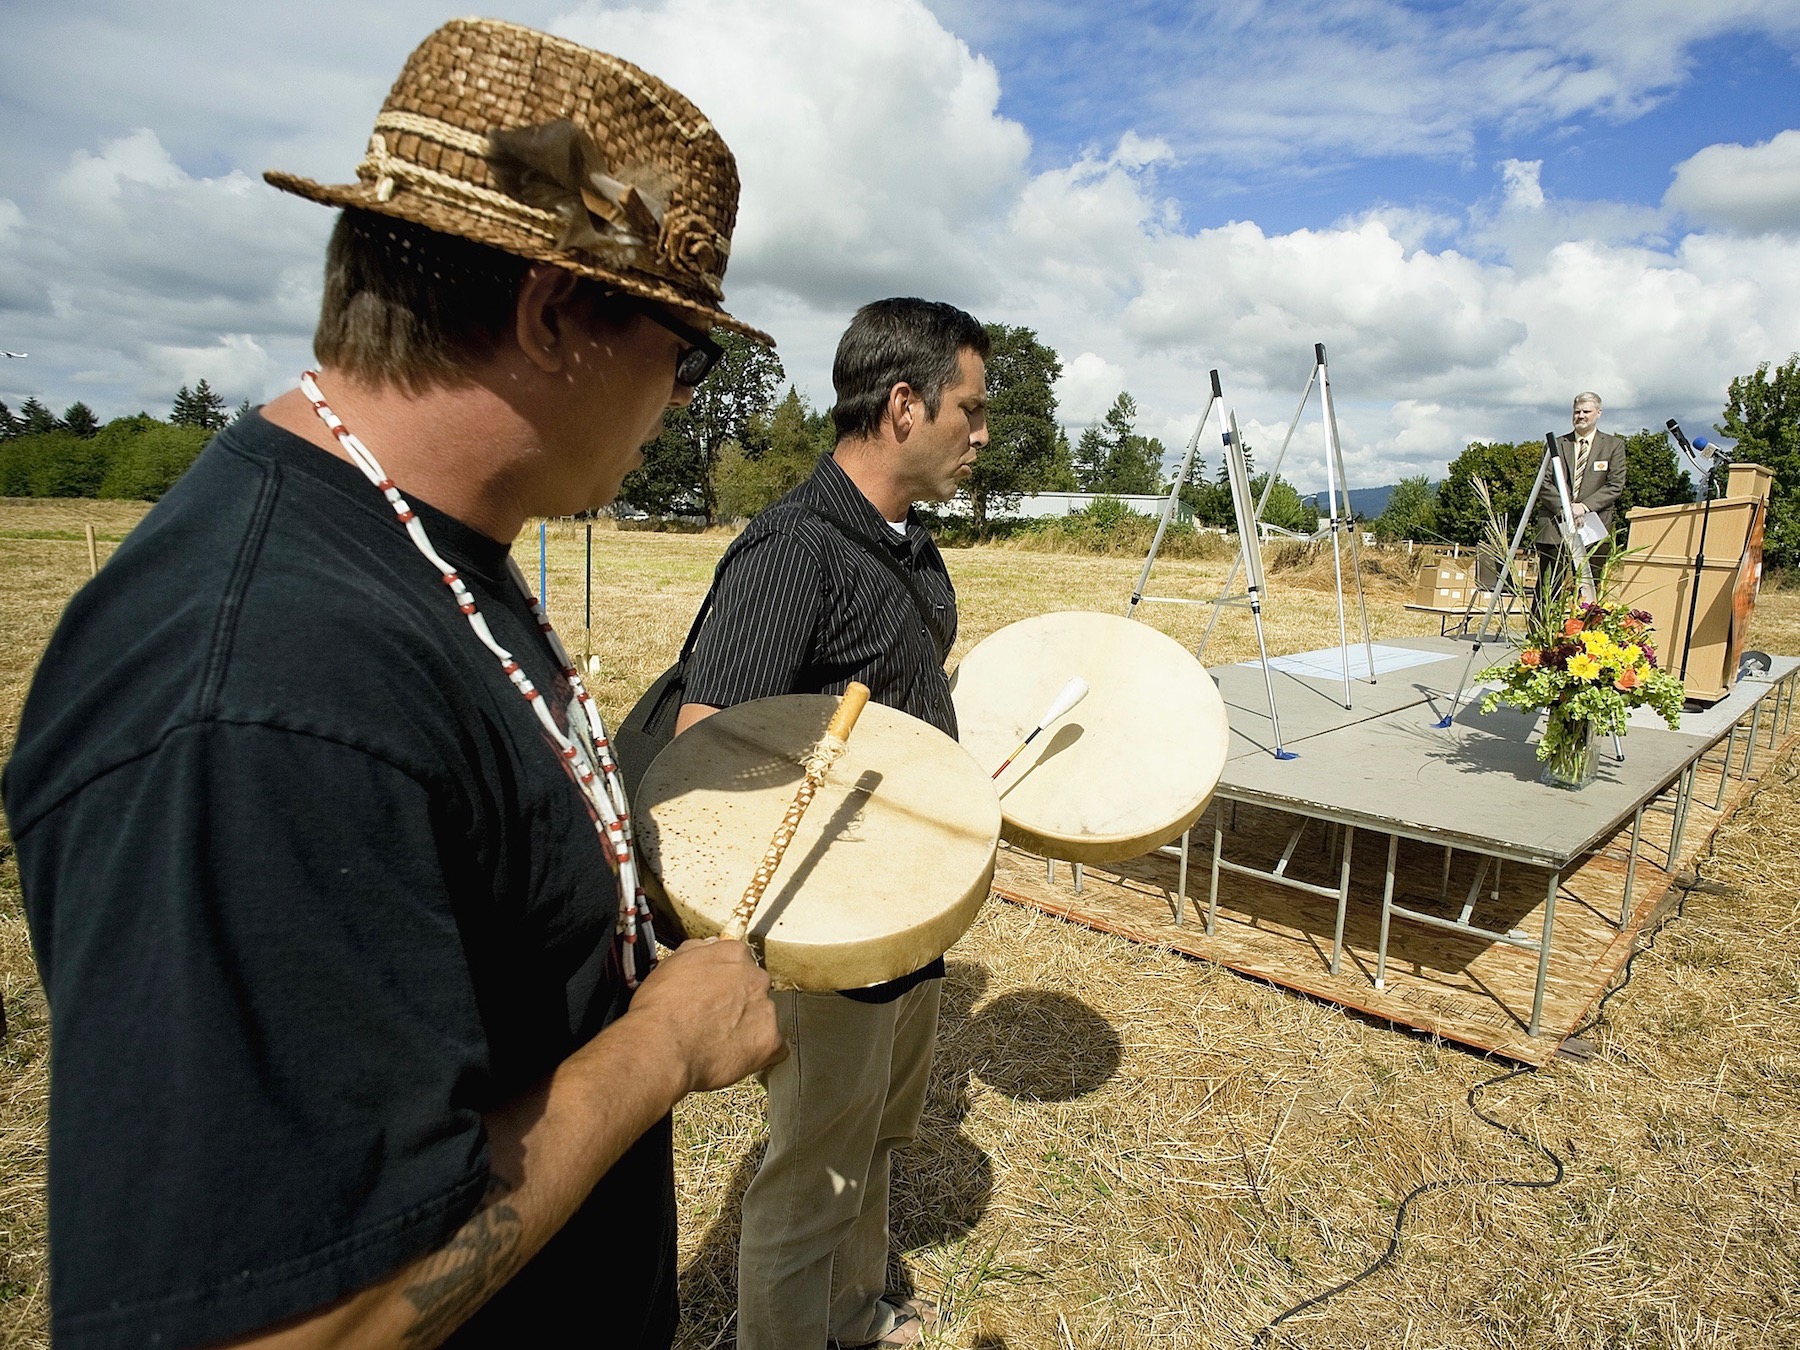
x: 1524, y: 191
x: 1088, y: 386
x: 876, y: 160
x: 1753, y: 188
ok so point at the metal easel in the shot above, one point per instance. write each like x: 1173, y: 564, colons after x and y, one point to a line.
x: 1169, y: 507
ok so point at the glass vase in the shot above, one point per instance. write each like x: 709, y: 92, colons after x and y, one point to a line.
x: 1573, y: 752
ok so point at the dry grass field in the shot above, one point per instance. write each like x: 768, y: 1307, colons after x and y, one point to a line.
x: 1126, y: 1148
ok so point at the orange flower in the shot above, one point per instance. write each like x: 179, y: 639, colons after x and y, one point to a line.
x: 1572, y: 628
x: 1531, y: 656
x: 1627, y: 679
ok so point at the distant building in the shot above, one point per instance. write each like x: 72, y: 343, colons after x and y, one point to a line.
x: 1040, y: 505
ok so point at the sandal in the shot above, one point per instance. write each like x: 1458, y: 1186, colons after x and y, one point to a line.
x: 913, y: 1320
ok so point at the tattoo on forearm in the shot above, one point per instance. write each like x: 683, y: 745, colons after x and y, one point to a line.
x: 466, y: 1271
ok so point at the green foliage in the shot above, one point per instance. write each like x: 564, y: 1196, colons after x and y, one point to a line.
x: 51, y: 464
x: 147, y: 463
x: 1411, y: 511
x: 78, y: 420
x: 198, y: 407
x: 731, y: 404
x: 1285, y: 507
x: 35, y: 419
x: 749, y: 479
x: 1023, y: 437
x: 1653, y: 474
x: 1762, y: 414
x: 1508, y: 471
x: 1112, y: 458
x: 1061, y: 475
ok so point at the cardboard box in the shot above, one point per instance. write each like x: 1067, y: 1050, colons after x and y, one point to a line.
x: 1448, y: 585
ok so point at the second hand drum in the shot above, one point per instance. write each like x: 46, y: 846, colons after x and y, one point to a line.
x: 1127, y: 769
x: 887, y: 868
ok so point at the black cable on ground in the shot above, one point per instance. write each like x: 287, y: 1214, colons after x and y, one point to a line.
x: 1264, y: 1336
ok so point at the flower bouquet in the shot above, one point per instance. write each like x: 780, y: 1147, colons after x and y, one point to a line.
x: 1587, y: 672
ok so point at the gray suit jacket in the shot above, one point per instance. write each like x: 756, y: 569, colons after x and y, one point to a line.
x: 1598, y: 489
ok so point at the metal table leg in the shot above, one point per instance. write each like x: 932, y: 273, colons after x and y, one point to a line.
x: 1725, y: 768
x: 1637, y: 829
x: 1212, y: 895
x: 1181, y: 884
x: 1337, y: 939
x: 1387, y: 905
x: 1543, y: 971
x: 1750, y: 749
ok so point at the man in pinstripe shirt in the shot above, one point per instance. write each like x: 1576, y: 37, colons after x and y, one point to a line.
x: 804, y: 603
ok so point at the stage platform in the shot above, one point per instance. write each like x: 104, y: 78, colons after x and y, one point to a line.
x: 1488, y: 909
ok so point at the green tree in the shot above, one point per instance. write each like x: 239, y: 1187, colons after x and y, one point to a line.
x: 1411, y: 511
x: 749, y: 478
x: 52, y: 464
x: 78, y: 420
x: 1020, y: 455
x: 147, y: 463
x: 729, y: 405
x: 1653, y: 475
x: 35, y: 419
x: 1061, y: 477
x: 200, y: 407
x: 1113, y: 458
x: 1762, y: 414
x: 1285, y: 507
x: 1508, y: 471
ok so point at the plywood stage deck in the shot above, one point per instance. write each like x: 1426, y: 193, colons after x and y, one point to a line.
x: 1464, y: 989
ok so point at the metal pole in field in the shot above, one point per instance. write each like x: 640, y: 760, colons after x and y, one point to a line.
x: 93, y: 552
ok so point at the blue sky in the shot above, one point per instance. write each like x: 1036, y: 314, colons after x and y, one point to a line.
x: 1479, y: 207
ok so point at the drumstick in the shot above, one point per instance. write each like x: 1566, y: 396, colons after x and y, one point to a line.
x: 1072, y: 693
x: 830, y: 746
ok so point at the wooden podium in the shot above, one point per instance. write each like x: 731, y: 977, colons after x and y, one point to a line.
x: 1669, y: 573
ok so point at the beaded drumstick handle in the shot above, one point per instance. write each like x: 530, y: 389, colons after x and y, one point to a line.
x: 823, y: 755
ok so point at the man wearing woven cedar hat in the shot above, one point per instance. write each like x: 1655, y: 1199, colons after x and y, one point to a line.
x: 330, y: 875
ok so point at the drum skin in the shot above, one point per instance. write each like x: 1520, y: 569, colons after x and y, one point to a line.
x: 1128, y: 769
x: 890, y: 864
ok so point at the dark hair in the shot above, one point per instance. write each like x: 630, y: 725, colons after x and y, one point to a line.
x: 920, y: 342
x: 405, y: 305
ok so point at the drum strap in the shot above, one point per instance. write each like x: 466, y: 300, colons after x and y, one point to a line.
x: 887, y: 560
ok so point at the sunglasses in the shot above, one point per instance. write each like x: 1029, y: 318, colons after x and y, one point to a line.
x: 701, y: 355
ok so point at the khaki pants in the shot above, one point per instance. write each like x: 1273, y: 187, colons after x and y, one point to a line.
x: 812, y: 1256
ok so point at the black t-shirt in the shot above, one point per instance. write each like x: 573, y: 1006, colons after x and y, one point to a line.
x: 309, y: 892
x: 797, y: 608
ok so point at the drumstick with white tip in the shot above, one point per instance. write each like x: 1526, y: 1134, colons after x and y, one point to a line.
x: 817, y: 764
x: 1072, y: 693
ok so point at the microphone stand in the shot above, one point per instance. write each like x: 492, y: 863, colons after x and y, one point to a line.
x: 1687, y: 640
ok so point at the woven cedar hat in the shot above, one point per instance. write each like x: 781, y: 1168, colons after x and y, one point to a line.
x: 554, y: 152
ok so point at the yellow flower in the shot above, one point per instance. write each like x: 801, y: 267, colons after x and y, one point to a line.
x: 1583, y: 667
x: 1632, y: 653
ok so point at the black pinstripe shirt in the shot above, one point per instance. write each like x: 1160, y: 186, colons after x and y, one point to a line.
x: 799, y: 609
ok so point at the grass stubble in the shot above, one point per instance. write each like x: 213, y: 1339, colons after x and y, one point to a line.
x: 1124, y: 1147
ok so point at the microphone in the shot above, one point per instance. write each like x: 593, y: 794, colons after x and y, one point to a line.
x: 1710, y: 449
x: 1680, y: 438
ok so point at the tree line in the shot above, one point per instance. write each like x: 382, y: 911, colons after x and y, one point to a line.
x: 137, y: 457
x: 1761, y: 414
x: 741, y: 444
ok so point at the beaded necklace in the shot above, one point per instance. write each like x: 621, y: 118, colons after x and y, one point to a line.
x: 587, y: 747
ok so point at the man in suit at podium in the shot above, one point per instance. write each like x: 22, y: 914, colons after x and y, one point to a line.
x: 1593, y: 464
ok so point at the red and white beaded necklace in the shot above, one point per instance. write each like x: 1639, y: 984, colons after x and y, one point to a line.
x: 586, y: 753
